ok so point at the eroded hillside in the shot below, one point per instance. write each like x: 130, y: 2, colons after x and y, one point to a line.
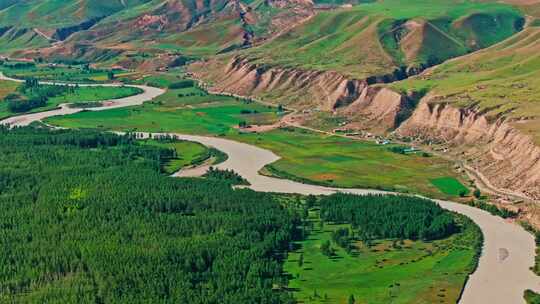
x: 487, y: 105
x: 483, y: 105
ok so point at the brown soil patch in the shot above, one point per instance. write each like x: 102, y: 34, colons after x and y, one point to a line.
x: 325, y: 176
x: 259, y: 128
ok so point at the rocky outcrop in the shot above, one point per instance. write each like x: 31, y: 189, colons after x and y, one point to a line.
x: 294, y: 87
x: 306, y: 89
x: 380, y: 106
x: 508, y: 158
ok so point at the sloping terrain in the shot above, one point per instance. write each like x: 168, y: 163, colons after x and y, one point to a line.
x: 12, y: 38
x: 54, y: 14
x: 164, y: 27
x: 327, y: 62
x: 35, y: 23
x: 376, y: 39
x: 171, y: 17
x: 487, y: 105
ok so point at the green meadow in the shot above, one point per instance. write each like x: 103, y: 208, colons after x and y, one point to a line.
x: 342, y: 162
x: 67, y: 73
x: 188, y: 110
x: 386, y: 271
x: 80, y: 95
x: 450, y: 186
x: 187, y: 153
x: 306, y: 156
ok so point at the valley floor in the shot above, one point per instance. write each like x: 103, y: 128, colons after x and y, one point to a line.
x: 503, y: 273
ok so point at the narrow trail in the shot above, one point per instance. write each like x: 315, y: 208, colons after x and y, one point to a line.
x: 42, y: 34
x: 503, y: 272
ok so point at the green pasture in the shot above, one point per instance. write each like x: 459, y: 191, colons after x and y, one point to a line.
x: 450, y: 186
x: 188, y: 153
x: 388, y: 271
x: 81, y: 94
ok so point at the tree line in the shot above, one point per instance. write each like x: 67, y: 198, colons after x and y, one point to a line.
x: 388, y: 216
x: 31, y: 95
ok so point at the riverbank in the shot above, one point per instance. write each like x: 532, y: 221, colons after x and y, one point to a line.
x: 504, y: 267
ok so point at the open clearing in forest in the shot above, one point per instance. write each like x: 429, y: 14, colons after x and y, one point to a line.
x: 188, y: 153
x: 386, y: 272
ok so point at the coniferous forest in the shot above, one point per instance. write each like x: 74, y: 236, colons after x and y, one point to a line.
x: 389, y: 216
x: 88, y: 217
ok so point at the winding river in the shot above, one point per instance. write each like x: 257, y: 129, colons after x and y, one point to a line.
x: 503, y: 272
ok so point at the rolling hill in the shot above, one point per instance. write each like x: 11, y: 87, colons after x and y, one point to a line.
x: 328, y: 60
x: 378, y: 38
x: 54, y: 14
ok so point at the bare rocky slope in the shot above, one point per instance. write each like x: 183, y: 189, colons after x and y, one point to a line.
x: 306, y: 89
x: 508, y: 158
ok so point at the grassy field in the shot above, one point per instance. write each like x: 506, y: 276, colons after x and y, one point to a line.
x: 307, y: 156
x: 95, y: 94
x: 163, y: 80
x: 7, y: 87
x: 81, y: 94
x: 72, y: 73
x: 386, y: 272
x: 197, y: 114
x: 188, y: 153
x: 342, y: 162
x: 450, y: 186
